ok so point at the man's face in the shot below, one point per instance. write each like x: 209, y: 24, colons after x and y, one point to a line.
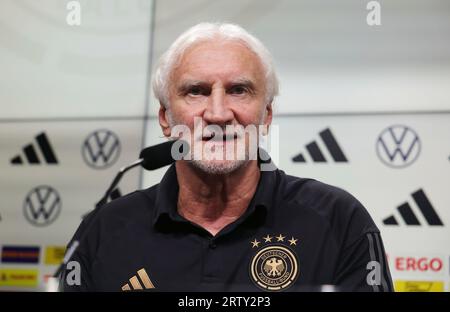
x: 222, y: 83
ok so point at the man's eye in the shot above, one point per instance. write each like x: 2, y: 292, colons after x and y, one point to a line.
x: 238, y: 90
x: 196, y: 91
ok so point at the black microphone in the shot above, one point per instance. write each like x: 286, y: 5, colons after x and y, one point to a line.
x: 150, y: 158
x: 161, y: 155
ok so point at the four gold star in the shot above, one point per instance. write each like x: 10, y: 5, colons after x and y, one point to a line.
x: 280, y: 238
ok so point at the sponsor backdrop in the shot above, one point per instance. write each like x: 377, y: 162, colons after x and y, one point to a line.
x: 365, y: 108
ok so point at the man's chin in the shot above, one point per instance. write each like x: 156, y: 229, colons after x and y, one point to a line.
x: 218, y: 166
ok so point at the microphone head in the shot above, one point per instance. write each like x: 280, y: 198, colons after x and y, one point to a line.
x: 163, y: 154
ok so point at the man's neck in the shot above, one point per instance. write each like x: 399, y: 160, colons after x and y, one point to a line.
x: 214, y: 201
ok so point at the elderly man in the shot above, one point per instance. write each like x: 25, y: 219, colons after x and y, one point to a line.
x: 222, y: 223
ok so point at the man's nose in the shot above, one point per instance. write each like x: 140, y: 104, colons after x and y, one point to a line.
x: 217, y: 111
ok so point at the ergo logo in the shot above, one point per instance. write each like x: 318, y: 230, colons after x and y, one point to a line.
x: 422, y: 264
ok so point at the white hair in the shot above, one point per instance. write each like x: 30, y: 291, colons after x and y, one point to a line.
x: 205, y: 32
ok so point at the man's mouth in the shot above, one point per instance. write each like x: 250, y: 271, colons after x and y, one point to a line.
x: 218, y: 138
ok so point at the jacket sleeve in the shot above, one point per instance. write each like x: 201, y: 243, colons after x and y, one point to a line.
x: 363, y: 266
x: 76, y: 275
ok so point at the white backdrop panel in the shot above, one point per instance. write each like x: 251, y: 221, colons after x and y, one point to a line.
x: 78, y: 184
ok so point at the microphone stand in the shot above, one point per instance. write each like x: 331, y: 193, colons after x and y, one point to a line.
x: 116, y: 181
x: 150, y: 158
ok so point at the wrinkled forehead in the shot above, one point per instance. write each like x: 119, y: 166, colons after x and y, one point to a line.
x: 219, y: 60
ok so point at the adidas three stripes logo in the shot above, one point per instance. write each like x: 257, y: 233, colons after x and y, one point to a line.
x: 31, y: 155
x: 410, y: 218
x: 139, y: 282
x: 316, y: 153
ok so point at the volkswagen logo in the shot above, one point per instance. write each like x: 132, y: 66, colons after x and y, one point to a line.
x: 398, y: 146
x: 42, y: 205
x: 101, y: 149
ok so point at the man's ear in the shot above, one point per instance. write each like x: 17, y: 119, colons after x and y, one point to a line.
x: 268, y: 114
x: 163, y: 120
